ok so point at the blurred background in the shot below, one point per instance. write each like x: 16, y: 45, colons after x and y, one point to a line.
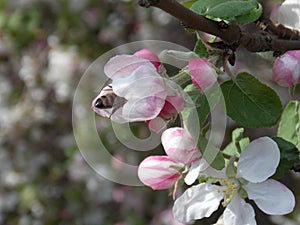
x: 45, y: 47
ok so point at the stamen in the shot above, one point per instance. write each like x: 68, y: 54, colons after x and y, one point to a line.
x: 230, y: 189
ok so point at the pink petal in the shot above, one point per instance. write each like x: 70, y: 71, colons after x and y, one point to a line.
x: 157, y: 124
x: 286, y: 69
x: 172, y: 106
x: 158, y: 172
x: 149, y: 55
x: 180, y: 145
x: 202, y: 73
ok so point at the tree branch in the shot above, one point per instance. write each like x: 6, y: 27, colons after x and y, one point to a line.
x: 231, y: 34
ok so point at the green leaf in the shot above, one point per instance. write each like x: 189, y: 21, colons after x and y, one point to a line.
x: 237, y: 144
x: 200, y: 49
x: 193, y: 92
x: 204, y: 102
x: 189, y: 3
x: 232, y: 150
x: 230, y: 9
x: 237, y: 134
x: 253, y: 15
x: 289, y: 126
x: 289, y: 155
x: 250, y: 102
x: 242, y: 11
x: 211, y: 154
x: 209, y: 100
x: 203, y: 6
x: 189, y: 114
x: 203, y: 109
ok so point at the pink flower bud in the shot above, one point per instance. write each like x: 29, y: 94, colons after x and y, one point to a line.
x: 157, y: 124
x: 172, y: 106
x: 162, y: 172
x: 202, y: 73
x: 286, y: 69
x: 174, y: 103
x: 180, y: 145
x: 159, y: 172
x: 149, y: 55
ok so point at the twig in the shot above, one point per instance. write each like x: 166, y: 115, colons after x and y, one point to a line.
x: 231, y: 34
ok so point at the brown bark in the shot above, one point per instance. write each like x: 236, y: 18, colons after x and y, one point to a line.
x: 271, y: 38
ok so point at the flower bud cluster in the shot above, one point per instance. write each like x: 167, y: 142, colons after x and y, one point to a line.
x: 140, y: 91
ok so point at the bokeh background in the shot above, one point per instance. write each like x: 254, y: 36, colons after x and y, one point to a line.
x: 45, y: 47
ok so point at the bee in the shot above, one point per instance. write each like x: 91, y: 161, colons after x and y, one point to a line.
x: 108, y: 100
x: 105, y: 101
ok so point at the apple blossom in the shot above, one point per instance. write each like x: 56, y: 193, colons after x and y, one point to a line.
x: 202, y: 73
x: 174, y: 102
x: 257, y: 163
x: 162, y: 172
x: 149, y: 55
x: 137, y: 92
x: 288, y: 14
x: 159, y: 172
x: 286, y: 69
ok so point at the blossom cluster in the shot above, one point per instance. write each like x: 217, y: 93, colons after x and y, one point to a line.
x: 286, y: 69
x: 143, y: 92
x: 140, y: 90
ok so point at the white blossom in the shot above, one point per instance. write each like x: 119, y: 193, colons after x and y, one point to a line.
x: 257, y: 163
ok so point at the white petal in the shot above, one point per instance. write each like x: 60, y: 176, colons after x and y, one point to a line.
x: 212, y: 172
x: 194, y: 171
x: 238, y: 212
x: 144, y: 91
x: 197, y: 202
x: 142, y: 109
x: 289, y: 14
x: 124, y: 65
x: 144, y: 81
x: 271, y: 196
x: 259, y: 160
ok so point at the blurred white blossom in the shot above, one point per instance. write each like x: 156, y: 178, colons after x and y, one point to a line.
x: 62, y: 64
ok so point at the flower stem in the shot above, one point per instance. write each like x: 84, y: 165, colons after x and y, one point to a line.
x: 182, y: 78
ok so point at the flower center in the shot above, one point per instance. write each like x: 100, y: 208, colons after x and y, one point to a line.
x: 231, y: 186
